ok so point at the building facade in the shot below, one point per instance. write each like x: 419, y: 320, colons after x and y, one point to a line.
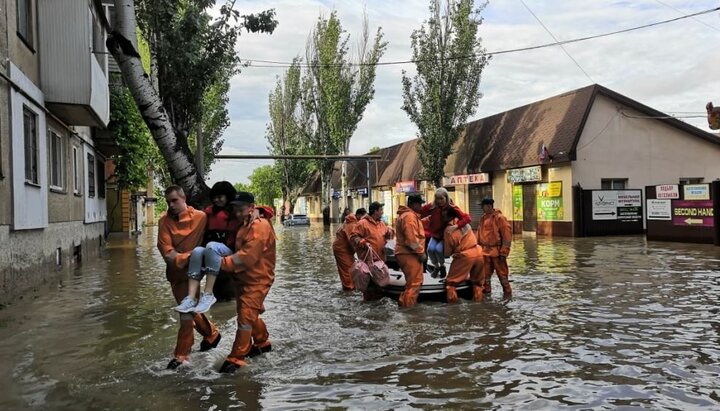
x: 54, y: 95
x: 537, y: 160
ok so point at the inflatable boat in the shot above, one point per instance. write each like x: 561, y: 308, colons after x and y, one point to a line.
x: 433, y: 289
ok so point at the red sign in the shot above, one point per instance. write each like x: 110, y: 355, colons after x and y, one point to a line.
x: 405, y: 187
x: 692, y: 213
x: 482, y: 178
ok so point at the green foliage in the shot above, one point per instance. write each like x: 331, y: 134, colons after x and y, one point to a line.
x: 445, y: 91
x: 335, y: 93
x: 137, y: 149
x: 264, y: 184
x: 161, y: 205
x: 374, y: 150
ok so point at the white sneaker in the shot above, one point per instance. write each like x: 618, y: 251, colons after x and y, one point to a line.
x: 187, y: 305
x: 206, y: 301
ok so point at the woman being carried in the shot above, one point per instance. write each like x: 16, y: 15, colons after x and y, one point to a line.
x: 436, y: 228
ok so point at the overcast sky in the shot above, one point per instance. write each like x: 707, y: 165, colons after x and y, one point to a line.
x: 673, y: 67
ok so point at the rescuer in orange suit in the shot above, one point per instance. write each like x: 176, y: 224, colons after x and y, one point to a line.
x: 181, y: 229
x: 253, y: 268
x: 495, y: 238
x: 371, y: 233
x: 343, y: 249
x: 410, y: 249
x: 467, y: 260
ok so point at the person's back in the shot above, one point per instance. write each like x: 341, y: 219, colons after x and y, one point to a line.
x: 374, y: 232
x: 255, y: 245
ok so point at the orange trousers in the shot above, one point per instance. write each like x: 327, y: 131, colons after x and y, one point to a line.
x: 344, y: 260
x: 498, y: 265
x: 413, y: 270
x: 464, y: 266
x: 251, y: 330
x: 189, y: 321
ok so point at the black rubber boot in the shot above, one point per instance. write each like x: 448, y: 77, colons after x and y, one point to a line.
x: 255, y: 351
x: 228, y: 367
x: 173, y: 364
x: 206, y: 346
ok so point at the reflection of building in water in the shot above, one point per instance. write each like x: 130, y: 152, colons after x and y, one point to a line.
x: 534, y: 159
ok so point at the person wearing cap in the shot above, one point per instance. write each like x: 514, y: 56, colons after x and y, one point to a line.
x: 253, y: 269
x: 495, y: 238
x: 219, y: 242
x: 410, y: 249
x: 467, y: 260
x: 436, y: 228
x: 371, y: 233
x: 343, y: 249
x: 180, y: 230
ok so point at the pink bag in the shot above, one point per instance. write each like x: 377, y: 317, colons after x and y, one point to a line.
x: 360, y: 271
x: 379, y: 270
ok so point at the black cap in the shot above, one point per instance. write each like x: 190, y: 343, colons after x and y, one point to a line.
x: 243, y: 197
x: 223, y: 188
x: 374, y: 206
x: 415, y: 199
x: 487, y: 201
x: 360, y: 210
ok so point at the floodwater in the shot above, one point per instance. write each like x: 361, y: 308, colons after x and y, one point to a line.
x: 597, y: 323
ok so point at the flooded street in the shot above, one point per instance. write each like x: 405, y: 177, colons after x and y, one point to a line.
x: 595, y: 323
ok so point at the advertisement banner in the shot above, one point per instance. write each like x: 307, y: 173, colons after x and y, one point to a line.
x: 405, y: 187
x: 692, y: 213
x: 659, y: 210
x: 524, y: 175
x: 550, y: 201
x: 517, y: 203
x: 697, y: 192
x: 667, y: 191
x: 482, y: 178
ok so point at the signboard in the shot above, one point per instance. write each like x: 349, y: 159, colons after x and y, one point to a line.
x: 517, y: 203
x: 692, y: 213
x: 697, y: 192
x: 362, y: 191
x: 659, y: 210
x: 336, y: 194
x: 550, y: 201
x: 524, y: 175
x: 405, y: 187
x: 482, y: 178
x: 667, y: 191
x: 623, y: 205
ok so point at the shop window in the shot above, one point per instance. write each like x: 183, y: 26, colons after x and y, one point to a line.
x: 614, y: 183
x: 30, y: 121
x: 91, y: 175
x: 57, y: 161
x: 691, y: 180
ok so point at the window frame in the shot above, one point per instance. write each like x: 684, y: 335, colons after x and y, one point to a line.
x: 27, y: 35
x: 91, y: 175
x: 32, y: 153
x: 613, y: 182
x: 691, y: 180
x: 52, y: 137
x: 77, y: 189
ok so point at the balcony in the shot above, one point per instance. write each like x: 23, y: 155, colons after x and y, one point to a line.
x: 73, y: 63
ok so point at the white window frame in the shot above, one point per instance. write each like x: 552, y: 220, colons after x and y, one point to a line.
x: 57, y: 156
x: 76, y: 171
x: 614, y: 183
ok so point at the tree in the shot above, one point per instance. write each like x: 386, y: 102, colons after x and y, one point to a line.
x: 285, y: 136
x: 336, y: 92
x: 449, y: 61
x: 193, y: 53
x: 265, y: 185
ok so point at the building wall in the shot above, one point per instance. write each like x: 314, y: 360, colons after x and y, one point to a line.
x: 5, y: 192
x: 63, y: 205
x: 24, y: 56
x: 645, y: 151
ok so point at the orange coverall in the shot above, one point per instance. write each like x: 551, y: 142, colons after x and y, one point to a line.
x: 461, y: 244
x: 409, y: 249
x: 344, y: 252
x: 182, y: 234
x: 495, y: 238
x: 253, y: 268
x: 371, y: 233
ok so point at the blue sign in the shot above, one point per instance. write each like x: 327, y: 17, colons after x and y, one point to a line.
x: 362, y: 191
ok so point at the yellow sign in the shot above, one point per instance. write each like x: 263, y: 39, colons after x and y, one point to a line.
x: 550, y: 190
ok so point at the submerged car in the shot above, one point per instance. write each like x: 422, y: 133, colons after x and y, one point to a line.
x: 296, y: 219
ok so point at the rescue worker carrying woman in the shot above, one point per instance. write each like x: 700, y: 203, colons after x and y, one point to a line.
x: 436, y: 227
x: 253, y: 268
x: 462, y: 245
x: 343, y: 249
x: 410, y: 249
x: 371, y: 233
x: 495, y: 237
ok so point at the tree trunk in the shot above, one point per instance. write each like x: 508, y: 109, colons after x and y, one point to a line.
x: 174, y: 150
x: 326, y: 196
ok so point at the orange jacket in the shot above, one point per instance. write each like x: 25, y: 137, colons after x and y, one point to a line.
x: 342, y: 235
x: 181, y: 234
x: 461, y: 241
x: 494, y: 234
x: 255, y: 255
x: 375, y: 233
x: 410, y: 232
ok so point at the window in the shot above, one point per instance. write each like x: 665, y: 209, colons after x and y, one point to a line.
x: 614, y: 183
x: 691, y: 180
x: 25, y: 21
x: 57, y: 161
x: 91, y: 175
x: 31, y: 145
x: 101, y: 178
x: 76, y: 171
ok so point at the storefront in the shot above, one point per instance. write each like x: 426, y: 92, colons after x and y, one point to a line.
x: 468, y: 190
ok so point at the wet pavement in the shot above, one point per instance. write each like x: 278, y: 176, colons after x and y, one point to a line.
x: 597, y: 323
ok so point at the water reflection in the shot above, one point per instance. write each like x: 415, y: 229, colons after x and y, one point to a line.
x: 595, y: 323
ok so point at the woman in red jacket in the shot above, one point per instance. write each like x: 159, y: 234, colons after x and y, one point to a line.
x: 436, y: 228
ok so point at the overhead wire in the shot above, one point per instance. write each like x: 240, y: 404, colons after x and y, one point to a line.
x: 557, y: 41
x: 692, y: 17
x: 286, y: 64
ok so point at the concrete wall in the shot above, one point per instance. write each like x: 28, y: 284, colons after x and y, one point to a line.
x: 645, y: 151
x: 5, y: 209
x: 63, y: 205
x: 28, y: 258
x: 23, y: 55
